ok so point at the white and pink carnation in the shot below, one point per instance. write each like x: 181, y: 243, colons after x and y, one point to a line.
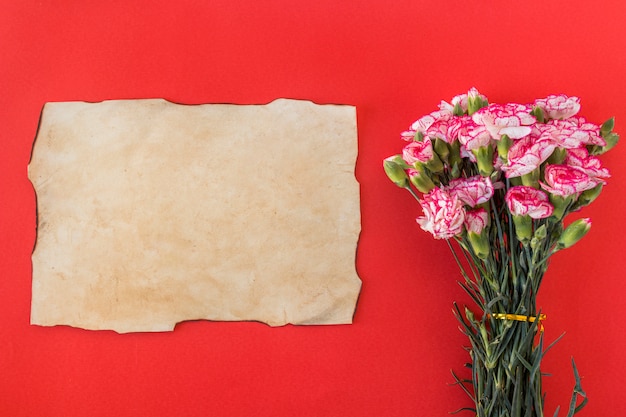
x: 589, y: 164
x: 571, y: 133
x: 565, y: 180
x: 444, y: 214
x: 471, y: 135
x: 559, y: 107
x: 471, y: 191
x: 528, y: 201
x: 438, y: 130
x: 423, y: 123
x: 526, y: 155
x: 513, y: 120
x: 587, y: 132
x: 476, y: 220
x: 416, y: 151
x: 434, y: 125
x: 561, y: 132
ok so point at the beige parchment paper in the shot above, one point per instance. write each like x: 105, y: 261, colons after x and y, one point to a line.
x: 151, y: 213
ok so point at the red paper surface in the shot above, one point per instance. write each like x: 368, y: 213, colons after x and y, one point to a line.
x: 393, y: 60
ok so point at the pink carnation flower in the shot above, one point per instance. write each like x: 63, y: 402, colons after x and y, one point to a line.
x: 559, y: 107
x: 444, y: 214
x: 589, y: 164
x: 438, y: 130
x: 416, y: 151
x: 528, y: 201
x: 476, y: 220
x: 469, y: 133
x: 471, y: 191
x: 564, y: 180
x: 434, y: 125
x: 513, y: 120
x: 526, y: 155
x: 571, y: 133
x: 588, y: 133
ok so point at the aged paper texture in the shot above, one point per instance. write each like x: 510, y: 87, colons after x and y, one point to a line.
x: 151, y: 213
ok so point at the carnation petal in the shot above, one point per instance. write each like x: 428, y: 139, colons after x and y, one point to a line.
x: 516, y: 132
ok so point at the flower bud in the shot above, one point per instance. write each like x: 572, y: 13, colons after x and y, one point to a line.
x: 573, y: 233
x: 421, y: 180
x: 475, y: 102
x: 538, y: 237
x: 469, y: 314
x: 480, y: 244
x: 394, y: 168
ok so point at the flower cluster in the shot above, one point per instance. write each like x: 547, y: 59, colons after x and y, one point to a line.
x: 542, y: 156
x: 499, y: 180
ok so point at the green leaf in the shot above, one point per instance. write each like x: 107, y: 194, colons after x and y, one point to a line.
x: 611, y: 140
x: 578, y: 391
x: 607, y: 126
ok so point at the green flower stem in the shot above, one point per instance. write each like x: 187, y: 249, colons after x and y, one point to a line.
x: 506, y: 355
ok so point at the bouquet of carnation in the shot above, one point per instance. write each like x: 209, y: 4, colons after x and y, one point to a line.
x: 499, y: 180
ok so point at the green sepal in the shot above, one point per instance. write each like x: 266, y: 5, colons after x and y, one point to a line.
x: 434, y: 164
x: 561, y: 205
x: 442, y: 149
x: 539, y: 114
x: 523, y: 228
x: 480, y: 244
x: 532, y: 178
x: 458, y: 110
x: 484, y: 160
x: 557, y: 157
x: 588, y: 196
x: 475, y: 103
x: 504, y: 144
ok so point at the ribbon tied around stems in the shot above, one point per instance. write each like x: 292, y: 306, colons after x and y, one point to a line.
x: 519, y: 317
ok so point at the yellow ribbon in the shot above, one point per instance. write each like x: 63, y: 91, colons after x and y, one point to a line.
x: 519, y: 317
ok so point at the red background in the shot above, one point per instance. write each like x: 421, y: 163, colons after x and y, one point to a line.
x: 393, y: 60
